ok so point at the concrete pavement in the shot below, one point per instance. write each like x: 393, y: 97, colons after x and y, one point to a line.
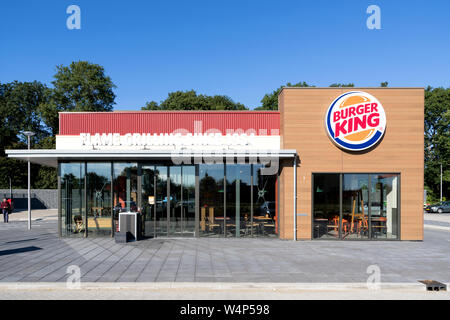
x: 218, y: 291
x: 217, y: 268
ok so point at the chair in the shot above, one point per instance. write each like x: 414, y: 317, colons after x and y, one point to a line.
x: 211, y: 221
x: 362, y: 226
x: 203, y: 219
x: 335, y: 226
x: 380, y: 227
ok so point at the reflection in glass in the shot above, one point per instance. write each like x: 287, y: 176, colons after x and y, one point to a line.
x: 326, y: 208
x: 188, y: 209
x: 211, y: 180
x: 238, y: 199
x: 384, y: 206
x: 125, y: 189
x: 73, y: 219
x: 355, y: 208
x: 264, y: 222
x: 99, y: 198
x: 161, y: 201
x: 148, y: 200
x: 175, y: 221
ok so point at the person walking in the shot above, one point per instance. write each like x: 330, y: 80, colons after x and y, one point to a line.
x: 5, y: 206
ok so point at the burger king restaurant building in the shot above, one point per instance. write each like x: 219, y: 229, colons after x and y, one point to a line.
x: 331, y: 163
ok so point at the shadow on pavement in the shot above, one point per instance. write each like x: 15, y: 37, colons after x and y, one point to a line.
x: 19, y: 250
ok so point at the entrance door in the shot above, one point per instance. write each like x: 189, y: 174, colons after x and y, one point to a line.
x: 188, y: 203
x: 182, y: 201
x: 161, y: 201
x: 168, y: 200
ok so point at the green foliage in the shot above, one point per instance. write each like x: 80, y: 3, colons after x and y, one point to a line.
x: 437, y: 140
x: 270, y: 100
x: 342, y: 85
x: 190, y: 100
x: 82, y: 86
x: 19, y: 111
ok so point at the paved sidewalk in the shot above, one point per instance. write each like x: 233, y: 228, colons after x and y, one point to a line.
x: 40, y: 256
x: 437, y: 221
x: 36, y: 215
x: 214, y: 291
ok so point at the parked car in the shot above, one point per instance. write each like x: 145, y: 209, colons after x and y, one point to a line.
x: 440, y: 207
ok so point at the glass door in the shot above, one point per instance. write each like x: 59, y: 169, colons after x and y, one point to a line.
x: 148, y: 200
x: 125, y: 190
x: 175, y: 204
x: 182, y: 201
x: 99, y: 220
x: 188, y: 201
x: 161, y: 202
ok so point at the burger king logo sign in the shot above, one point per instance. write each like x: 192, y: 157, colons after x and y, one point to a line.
x: 355, y: 121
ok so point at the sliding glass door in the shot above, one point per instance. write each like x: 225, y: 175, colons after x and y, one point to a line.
x: 98, y: 200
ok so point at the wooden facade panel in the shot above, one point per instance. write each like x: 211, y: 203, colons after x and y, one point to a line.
x: 400, y: 151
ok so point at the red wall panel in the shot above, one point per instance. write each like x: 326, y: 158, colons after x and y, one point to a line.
x: 74, y: 123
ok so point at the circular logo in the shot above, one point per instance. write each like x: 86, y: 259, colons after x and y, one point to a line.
x: 355, y: 121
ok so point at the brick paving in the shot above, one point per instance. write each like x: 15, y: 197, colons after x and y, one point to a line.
x: 40, y: 255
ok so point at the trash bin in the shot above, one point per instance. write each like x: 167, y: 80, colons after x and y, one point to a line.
x: 130, y: 222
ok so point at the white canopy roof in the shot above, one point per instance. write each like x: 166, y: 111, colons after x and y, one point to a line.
x: 50, y: 157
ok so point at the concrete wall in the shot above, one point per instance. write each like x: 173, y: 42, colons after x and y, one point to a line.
x: 40, y: 198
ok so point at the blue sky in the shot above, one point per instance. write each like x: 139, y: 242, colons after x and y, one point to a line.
x: 243, y: 49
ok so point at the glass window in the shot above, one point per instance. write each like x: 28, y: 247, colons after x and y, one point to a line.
x: 211, y: 184
x: 148, y: 200
x: 355, y: 206
x: 161, y: 201
x: 99, y: 198
x: 73, y: 218
x: 188, y: 205
x: 264, y: 222
x: 384, y: 206
x: 175, y: 220
x: 238, y: 199
x: 369, y: 206
x: 125, y: 189
x: 326, y: 207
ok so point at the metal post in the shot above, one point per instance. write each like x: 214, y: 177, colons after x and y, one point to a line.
x: 441, y: 183
x: 10, y: 188
x: 29, y: 193
x: 29, y: 134
x: 295, y: 198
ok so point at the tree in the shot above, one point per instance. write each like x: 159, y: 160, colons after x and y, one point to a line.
x: 270, y: 100
x: 19, y: 111
x: 384, y: 84
x: 342, y: 85
x: 190, y: 100
x: 82, y: 86
x: 437, y: 141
